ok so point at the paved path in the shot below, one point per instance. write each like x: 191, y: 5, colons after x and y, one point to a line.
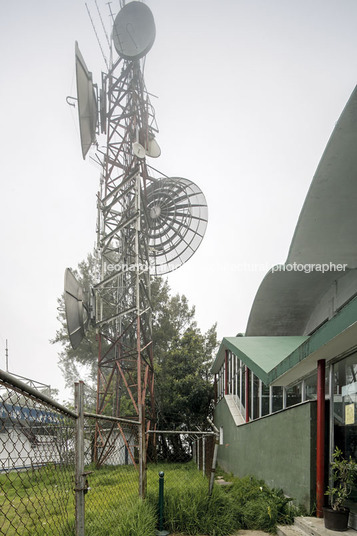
x: 238, y: 533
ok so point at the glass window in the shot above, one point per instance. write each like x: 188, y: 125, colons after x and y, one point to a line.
x: 242, y: 399
x: 265, y: 399
x: 239, y: 372
x: 230, y: 372
x: 345, y: 405
x: 293, y: 395
x: 255, y: 395
x: 311, y: 387
x: 277, y: 398
x: 345, y: 413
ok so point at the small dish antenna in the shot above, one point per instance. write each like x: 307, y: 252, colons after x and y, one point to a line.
x: 76, y: 309
x: 134, y: 31
x: 175, y: 221
x: 87, y: 103
x: 153, y: 149
x: 149, y: 143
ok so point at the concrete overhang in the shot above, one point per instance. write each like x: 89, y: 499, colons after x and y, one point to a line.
x: 285, y: 301
x: 333, y: 339
x: 336, y: 347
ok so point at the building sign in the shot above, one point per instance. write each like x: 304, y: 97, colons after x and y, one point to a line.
x: 349, y: 414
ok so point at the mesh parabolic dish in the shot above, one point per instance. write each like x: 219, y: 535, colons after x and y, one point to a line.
x: 174, y: 223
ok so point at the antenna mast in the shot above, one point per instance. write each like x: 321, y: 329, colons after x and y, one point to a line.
x: 146, y: 222
x: 6, y: 358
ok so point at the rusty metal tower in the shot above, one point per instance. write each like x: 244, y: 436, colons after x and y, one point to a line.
x: 147, y: 224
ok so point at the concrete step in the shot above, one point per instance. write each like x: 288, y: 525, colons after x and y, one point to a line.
x: 310, y: 526
x: 314, y: 526
x: 289, y: 530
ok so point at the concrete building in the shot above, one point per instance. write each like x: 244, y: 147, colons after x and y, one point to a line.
x: 287, y: 389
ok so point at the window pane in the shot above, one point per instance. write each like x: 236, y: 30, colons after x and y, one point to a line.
x: 277, y: 398
x: 293, y: 395
x: 265, y: 399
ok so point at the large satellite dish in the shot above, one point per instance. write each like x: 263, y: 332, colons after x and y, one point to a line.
x: 175, y: 221
x: 87, y: 103
x: 134, y: 31
x: 76, y: 310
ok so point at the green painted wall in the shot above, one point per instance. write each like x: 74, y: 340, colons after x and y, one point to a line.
x: 279, y: 448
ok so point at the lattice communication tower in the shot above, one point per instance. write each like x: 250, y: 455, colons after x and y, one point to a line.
x: 148, y: 224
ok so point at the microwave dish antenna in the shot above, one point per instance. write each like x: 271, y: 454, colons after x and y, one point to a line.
x: 174, y: 223
x: 77, y: 309
x: 134, y: 31
x: 87, y: 103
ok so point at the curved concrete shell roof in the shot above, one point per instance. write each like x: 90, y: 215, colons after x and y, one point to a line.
x: 326, y: 229
x: 285, y: 302
x: 326, y: 233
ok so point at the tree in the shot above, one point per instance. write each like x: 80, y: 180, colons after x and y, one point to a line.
x: 182, y: 355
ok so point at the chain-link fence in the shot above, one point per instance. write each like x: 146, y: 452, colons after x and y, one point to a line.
x: 63, y: 472
x: 36, y: 463
x: 180, y: 476
x: 186, y: 458
x: 69, y: 473
x: 111, y: 468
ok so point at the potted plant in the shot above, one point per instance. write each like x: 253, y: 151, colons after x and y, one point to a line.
x: 344, y: 472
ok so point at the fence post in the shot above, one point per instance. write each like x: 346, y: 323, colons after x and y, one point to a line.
x: 215, y: 455
x: 79, y: 468
x: 142, y: 453
x: 161, y: 531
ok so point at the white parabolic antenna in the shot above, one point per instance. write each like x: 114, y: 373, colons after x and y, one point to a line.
x: 175, y: 221
x: 134, y: 31
x: 87, y: 103
x: 75, y: 308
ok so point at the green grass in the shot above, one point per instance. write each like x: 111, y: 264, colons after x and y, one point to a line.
x: 41, y: 503
x: 36, y: 502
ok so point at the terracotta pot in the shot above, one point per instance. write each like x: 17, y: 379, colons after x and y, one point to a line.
x: 336, y: 519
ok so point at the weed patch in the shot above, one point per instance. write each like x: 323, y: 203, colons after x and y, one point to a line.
x: 34, y: 502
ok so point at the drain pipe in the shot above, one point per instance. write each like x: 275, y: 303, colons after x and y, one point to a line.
x: 320, y: 439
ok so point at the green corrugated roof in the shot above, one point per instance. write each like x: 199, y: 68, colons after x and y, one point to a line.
x: 260, y: 354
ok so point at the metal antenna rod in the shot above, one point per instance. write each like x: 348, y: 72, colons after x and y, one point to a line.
x: 6, y: 358
x: 96, y: 34
x: 101, y: 20
x: 110, y: 10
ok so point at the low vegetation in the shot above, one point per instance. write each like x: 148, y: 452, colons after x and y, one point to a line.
x: 247, y: 503
x: 41, y: 502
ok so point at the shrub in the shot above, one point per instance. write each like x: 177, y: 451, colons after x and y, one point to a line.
x: 260, y: 514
